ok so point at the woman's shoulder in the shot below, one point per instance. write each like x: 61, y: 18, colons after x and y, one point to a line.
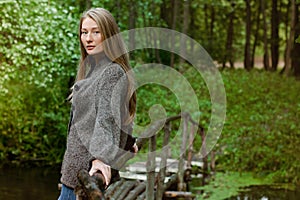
x: 113, y: 69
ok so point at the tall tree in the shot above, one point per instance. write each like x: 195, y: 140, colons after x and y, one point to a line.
x: 88, y: 4
x: 265, y: 37
x: 209, y: 22
x: 117, y: 5
x: 256, y: 34
x: 193, y: 31
x: 132, y: 24
x: 247, y: 53
x: 275, y: 35
x: 186, y: 19
x: 155, y: 18
x: 212, y: 26
x: 290, y: 39
x: 229, y: 40
x: 296, y: 48
x: 173, y: 27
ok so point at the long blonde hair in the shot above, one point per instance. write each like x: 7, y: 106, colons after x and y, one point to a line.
x: 114, y: 49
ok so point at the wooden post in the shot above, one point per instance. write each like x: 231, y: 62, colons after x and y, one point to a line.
x: 151, y: 168
x: 163, y: 162
x: 181, y: 185
x: 204, y: 154
x: 213, y: 161
x: 191, y: 147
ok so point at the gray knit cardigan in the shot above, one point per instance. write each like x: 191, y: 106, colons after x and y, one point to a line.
x: 96, y: 129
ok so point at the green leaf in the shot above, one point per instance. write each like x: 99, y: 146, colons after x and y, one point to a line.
x: 298, y: 39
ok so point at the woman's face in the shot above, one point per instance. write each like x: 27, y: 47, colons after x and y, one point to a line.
x: 91, y: 37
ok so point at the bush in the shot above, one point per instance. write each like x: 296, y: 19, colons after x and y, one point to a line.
x: 261, y: 133
x: 39, y: 53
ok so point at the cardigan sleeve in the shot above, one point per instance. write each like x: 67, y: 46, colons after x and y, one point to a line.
x: 109, y: 99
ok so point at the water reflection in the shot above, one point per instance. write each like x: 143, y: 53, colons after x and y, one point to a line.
x: 262, y: 192
x: 29, y: 184
x: 267, y: 193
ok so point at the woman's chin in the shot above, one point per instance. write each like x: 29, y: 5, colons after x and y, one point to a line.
x: 94, y: 51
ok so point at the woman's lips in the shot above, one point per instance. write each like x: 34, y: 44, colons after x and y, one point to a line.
x: 90, y: 47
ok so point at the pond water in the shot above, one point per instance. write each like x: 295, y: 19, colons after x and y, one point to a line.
x: 267, y: 193
x: 29, y: 183
x: 261, y: 192
x: 41, y: 184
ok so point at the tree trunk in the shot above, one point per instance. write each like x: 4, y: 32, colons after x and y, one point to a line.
x: 186, y: 18
x: 275, y: 35
x: 146, y: 37
x: 192, y: 31
x: 286, y: 33
x: 165, y: 13
x: 296, y: 49
x: 266, y: 43
x: 255, y: 36
x: 247, y: 56
x: 81, y: 5
x: 290, y: 40
x: 173, y: 27
x: 209, y: 13
x: 88, y: 4
x: 206, y: 16
x: 212, y: 27
x: 229, y: 40
x: 155, y: 37
x: 132, y: 22
x: 117, y: 14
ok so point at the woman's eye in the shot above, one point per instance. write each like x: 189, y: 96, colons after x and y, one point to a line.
x: 84, y: 32
x: 96, y: 32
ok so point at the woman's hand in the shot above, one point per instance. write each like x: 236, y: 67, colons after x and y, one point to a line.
x: 135, y: 148
x: 98, y: 165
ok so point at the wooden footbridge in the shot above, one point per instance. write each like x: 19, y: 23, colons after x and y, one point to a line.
x: 160, y: 177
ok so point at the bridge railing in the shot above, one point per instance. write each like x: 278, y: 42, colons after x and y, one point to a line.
x: 189, y: 130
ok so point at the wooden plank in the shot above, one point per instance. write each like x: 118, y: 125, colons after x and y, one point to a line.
x: 140, y: 177
x: 116, y: 192
x: 112, y: 188
x: 197, y: 163
x: 172, y: 166
x: 136, y: 191
x: 179, y: 194
x: 124, y: 190
x: 142, y: 196
x: 131, y: 175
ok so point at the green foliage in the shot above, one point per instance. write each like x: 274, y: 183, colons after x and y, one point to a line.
x: 225, y: 185
x: 298, y: 39
x: 262, y: 127
x: 39, y: 54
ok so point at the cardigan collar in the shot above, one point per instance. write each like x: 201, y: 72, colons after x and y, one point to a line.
x: 96, y: 61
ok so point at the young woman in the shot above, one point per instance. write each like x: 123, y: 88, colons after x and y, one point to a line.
x: 103, y: 103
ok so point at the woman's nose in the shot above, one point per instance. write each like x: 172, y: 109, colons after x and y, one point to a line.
x: 89, y: 37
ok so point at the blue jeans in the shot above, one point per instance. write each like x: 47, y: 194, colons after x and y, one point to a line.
x: 66, y: 193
